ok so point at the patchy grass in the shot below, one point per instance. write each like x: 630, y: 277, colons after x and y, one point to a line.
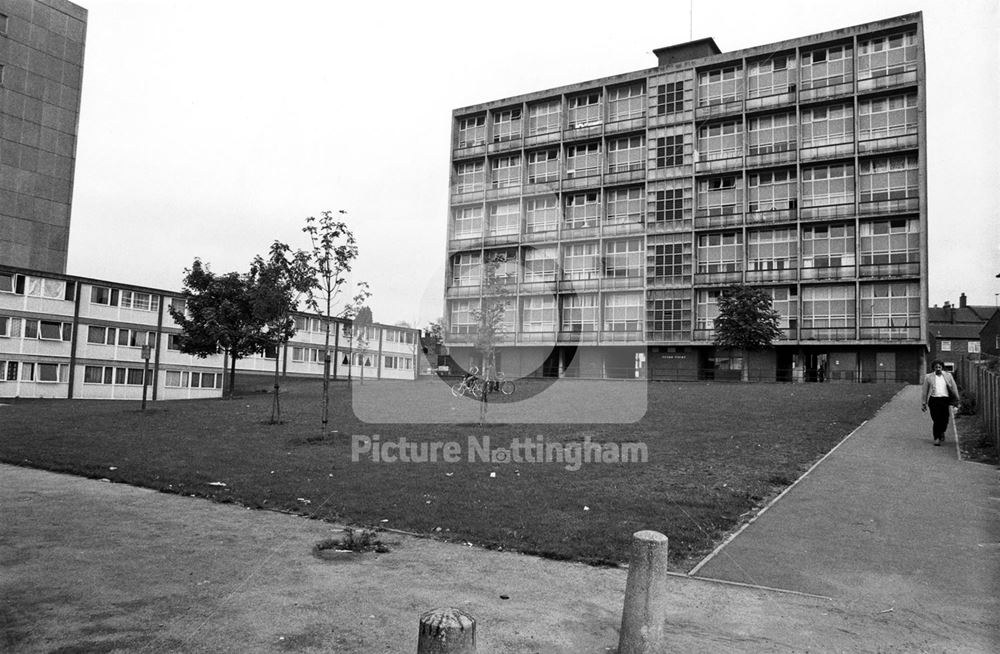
x: 973, y: 441
x: 715, y: 453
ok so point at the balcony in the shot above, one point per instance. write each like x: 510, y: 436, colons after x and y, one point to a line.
x: 770, y: 217
x: 718, y: 165
x: 505, y: 145
x: 573, y: 336
x: 704, y: 334
x: 622, y: 336
x: 891, y: 333
x: 503, y: 192
x: 465, y: 243
x: 789, y: 334
x: 576, y: 285
x: 590, y: 178
x: 463, y: 291
x: 775, y: 154
x: 884, y: 81
x: 468, y: 151
x: 889, y: 270
x: 668, y: 226
x: 547, y: 287
x: 889, y: 207
x: 576, y: 131
x: 459, y: 338
x: 468, y: 194
x: 668, y: 336
x: 827, y: 334
x: 633, y: 173
x: 705, y: 220
x: 546, y: 236
x: 705, y: 112
x: 827, y: 272
x: 826, y: 151
x: 626, y: 125
x: 539, y: 337
x: 783, y: 275
x: 826, y: 212
x: 824, y: 92
x: 584, y: 230
x: 888, y: 144
x: 542, y: 185
x: 623, y: 228
x: 542, y: 139
x: 715, y: 278
x: 775, y: 100
x: 509, y: 238
x: 634, y: 281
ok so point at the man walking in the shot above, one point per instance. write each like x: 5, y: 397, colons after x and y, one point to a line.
x: 940, y: 392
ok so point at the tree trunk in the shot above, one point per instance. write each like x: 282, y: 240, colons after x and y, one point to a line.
x: 276, y: 404
x: 745, y: 374
x: 232, y: 376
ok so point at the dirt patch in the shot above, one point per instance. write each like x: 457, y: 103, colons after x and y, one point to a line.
x: 973, y: 441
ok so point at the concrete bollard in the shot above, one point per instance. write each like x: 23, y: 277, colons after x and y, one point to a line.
x: 644, y: 613
x: 447, y: 631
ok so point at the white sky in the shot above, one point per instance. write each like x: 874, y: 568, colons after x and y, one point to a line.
x: 210, y: 128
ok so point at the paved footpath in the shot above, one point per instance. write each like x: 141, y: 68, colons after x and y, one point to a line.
x: 896, y: 533
x: 888, y: 522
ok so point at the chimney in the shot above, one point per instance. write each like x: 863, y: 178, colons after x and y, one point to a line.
x: 961, y: 301
x: 673, y: 54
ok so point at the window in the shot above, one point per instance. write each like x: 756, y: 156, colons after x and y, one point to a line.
x: 540, y: 264
x: 668, y: 314
x: 206, y: 380
x: 627, y: 153
x: 104, y: 295
x: 173, y: 342
x: 670, y: 150
x: 826, y: 67
x: 772, y: 190
x: 826, y: 185
x: 767, y: 134
x: 720, y: 253
x: 890, y: 241
x: 48, y: 330
x: 887, y: 55
x: 505, y: 219
x: 178, y: 304
x: 720, y: 141
x: 466, y: 269
x: 398, y: 363
x: 3, y: 24
x: 95, y: 375
x: 469, y: 176
x: 785, y: 300
x: 670, y: 261
x: 771, y: 76
x: 468, y: 221
x: 625, y: 205
x: 894, y: 305
x: 5, y: 324
x: 670, y: 204
x: 706, y: 309
x: 471, y: 131
x: 52, y: 372
x: 47, y: 288
x: 579, y: 313
x: 721, y: 85
x: 543, y: 166
x: 140, y: 301
x: 884, y: 117
x: 974, y: 347
x: 670, y: 98
x: 945, y: 346
x: 581, y: 261
x: 11, y: 283
x: 507, y: 125
x: 827, y: 125
x: 772, y: 249
x: 541, y: 214
x: 582, y: 210
x: 11, y: 371
x: 893, y: 178
x: 99, y: 335
x: 626, y: 102
x: 504, y: 265
x: 827, y: 246
x: 720, y: 195
x: 623, y: 258
x: 538, y: 313
x: 585, y: 110
x: 583, y: 160
x: 462, y: 321
x: 506, y: 171
x: 545, y: 117
x: 623, y: 312
x: 828, y: 306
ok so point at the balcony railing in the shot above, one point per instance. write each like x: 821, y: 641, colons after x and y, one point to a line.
x: 891, y: 333
x: 773, y: 100
x: 705, y: 220
x: 827, y: 334
x: 884, y: 207
x: 902, y: 78
x: 826, y: 151
x: 622, y: 336
x: 827, y: 272
x: 718, y: 277
x: 785, y: 275
x: 823, y: 92
x: 827, y: 211
x: 771, y: 216
x: 909, y: 269
x: 578, y: 336
x: 888, y: 143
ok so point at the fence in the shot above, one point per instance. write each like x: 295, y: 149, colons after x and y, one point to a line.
x: 977, y: 378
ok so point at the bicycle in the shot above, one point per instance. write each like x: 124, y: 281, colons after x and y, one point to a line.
x: 471, y: 384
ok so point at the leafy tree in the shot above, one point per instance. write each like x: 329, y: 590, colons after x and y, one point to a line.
x: 219, y: 317
x: 489, y: 317
x: 360, y: 328
x: 333, y: 251
x: 279, y: 283
x: 350, y: 313
x: 747, y: 321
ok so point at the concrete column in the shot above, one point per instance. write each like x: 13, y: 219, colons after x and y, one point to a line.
x: 447, y: 631
x: 643, y: 615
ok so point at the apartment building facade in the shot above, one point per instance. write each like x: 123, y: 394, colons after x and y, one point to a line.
x: 73, y: 337
x: 41, y: 73
x: 622, y: 207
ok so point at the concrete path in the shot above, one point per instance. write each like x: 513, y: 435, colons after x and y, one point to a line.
x: 895, y: 536
x: 888, y: 522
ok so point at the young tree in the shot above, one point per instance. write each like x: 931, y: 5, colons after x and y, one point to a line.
x: 489, y: 317
x: 362, y: 324
x: 350, y: 313
x: 279, y: 283
x: 334, y: 250
x: 219, y: 317
x: 747, y: 322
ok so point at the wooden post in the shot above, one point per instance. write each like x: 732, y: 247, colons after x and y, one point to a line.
x: 447, y: 631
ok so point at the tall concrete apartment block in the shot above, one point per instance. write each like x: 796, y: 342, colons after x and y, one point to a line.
x: 624, y: 206
x: 41, y: 69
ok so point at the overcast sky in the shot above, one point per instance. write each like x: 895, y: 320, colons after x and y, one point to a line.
x: 210, y: 128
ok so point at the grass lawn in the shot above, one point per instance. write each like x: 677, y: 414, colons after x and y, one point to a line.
x: 715, y: 452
